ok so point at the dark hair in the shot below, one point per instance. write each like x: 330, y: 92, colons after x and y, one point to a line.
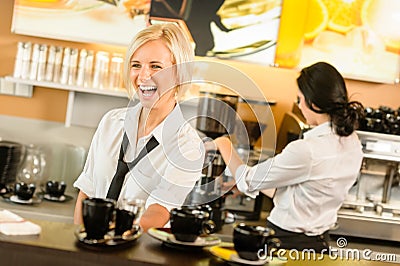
x: 325, y: 92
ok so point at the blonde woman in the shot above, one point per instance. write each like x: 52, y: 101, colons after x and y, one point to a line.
x: 157, y: 63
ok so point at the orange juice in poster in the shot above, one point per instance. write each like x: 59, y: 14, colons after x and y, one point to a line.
x: 291, y: 33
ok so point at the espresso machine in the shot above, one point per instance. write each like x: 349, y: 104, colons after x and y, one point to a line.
x: 372, y: 208
x: 222, y: 112
x: 216, y: 116
x: 250, y: 124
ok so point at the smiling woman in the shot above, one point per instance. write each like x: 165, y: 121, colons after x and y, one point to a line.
x: 145, y: 63
x: 165, y: 176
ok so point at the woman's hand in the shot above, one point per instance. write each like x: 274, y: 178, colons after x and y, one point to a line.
x: 230, y: 188
x: 78, y: 208
x: 154, y: 216
x: 209, y: 144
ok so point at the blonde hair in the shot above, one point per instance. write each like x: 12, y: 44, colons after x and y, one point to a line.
x: 176, y: 41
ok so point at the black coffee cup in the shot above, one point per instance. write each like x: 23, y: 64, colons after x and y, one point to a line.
x: 217, y: 215
x: 97, y: 216
x: 127, y: 214
x: 24, y: 191
x: 188, y: 223
x: 55, y: 189
x: 123, y: 221
x: 251, y: 242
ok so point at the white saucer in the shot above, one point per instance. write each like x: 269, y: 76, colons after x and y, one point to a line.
x: 60, y: 199
x: 164, y: 235
x: 14, y: 198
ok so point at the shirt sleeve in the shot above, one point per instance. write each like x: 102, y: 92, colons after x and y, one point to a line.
x: 84, y: 182
x: 290, y: 167
x: 241, y: 182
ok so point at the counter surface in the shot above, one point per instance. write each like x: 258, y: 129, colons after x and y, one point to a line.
x: 45, y: 210
x: 57, y: 245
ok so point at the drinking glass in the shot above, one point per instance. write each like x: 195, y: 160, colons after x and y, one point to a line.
x: 32, y: 166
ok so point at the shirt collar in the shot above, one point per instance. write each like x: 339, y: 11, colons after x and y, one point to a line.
x: 166, y: 130
x: 171, y: 125
x: 320, y: 130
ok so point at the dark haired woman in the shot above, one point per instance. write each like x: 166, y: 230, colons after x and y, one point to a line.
x: 313, y: 175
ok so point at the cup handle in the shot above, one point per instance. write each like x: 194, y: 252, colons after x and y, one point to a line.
x: 273, y: 243
x: 208, y: 227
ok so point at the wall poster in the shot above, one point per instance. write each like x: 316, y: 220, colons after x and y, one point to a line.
x: 243, y: 30
x: 361, y: 38
x: 112, y: 22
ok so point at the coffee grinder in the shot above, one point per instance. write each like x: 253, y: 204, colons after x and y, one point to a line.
x: 216, y: 116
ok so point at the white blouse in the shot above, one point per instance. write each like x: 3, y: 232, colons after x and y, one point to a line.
x: 165, y: 176
x: 312, y: 176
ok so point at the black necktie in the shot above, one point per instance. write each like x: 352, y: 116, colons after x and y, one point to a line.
x: 123, y: 167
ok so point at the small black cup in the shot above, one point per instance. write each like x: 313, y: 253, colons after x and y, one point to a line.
x: 55, y: 189
x: 251, y: 242
x: 123, y: 221
x: 217, y: 213
x: 128, y: 212
x: 188, y: 223
x: 97, y: 216
x: 24, y: 191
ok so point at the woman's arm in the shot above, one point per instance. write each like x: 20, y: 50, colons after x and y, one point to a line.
x: 228, y: 153
x: 78, y: 208
x: 154, y: 216
x: 233, y: 161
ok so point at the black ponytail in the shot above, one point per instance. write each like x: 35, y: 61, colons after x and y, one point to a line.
x: 345, y: 120
x: 324, y: 87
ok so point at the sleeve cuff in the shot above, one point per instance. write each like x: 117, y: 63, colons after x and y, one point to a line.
x: 240, y: 177
x: 84, y: 184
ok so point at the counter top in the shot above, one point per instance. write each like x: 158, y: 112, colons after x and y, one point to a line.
x: 57, y: 245
x: 45, y: 210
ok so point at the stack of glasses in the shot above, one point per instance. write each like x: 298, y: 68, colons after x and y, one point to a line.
x: 69, y: 66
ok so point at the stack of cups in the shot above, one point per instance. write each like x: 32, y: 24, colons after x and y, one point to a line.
x: 25, y: 62
x: 116, y: 67
x: 41, y: 70
x: 69, y: 66
x: 100, y: 75
x: 65, y: 65
x: 73, y: 64
x: 57, y: 63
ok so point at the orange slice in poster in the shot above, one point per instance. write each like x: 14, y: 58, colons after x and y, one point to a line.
x: 317, y: 19
x: 383, y: 17
x: 344, y: 15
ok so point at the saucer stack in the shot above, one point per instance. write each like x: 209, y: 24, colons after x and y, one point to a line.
x: 10, y: 159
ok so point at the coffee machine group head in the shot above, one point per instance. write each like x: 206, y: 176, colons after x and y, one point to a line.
x: 216, y: 116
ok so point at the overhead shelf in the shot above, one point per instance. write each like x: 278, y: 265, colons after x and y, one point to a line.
x: 54, y: 85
